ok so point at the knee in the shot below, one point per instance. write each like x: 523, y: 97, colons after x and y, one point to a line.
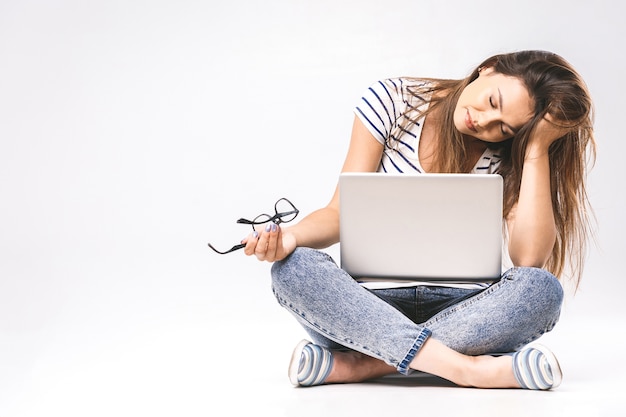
x: 538, y: 285
x: 301, y: 263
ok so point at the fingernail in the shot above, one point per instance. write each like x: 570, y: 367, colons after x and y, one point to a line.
x: 274, y: 227
x: 268, y: 227
x: 255, y: 234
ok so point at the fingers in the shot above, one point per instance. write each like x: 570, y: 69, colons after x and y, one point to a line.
x: 250, y: 243
x: 553, y: 128
x: 265, y: 244
x: 268, y: 242
x: 545, y: 132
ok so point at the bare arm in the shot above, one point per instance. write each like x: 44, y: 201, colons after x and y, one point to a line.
x: 319, y: 229
x: 531, y: 225
x: 532, y: 231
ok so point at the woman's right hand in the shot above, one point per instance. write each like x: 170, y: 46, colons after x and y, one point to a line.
x: 271, y: 244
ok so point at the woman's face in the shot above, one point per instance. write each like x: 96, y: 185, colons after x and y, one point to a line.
x: 493, y: 107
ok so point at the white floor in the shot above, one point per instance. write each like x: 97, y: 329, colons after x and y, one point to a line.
x: 593, y: 385
x: 154, y: 346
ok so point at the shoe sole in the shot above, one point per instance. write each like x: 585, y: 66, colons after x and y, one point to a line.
x: 294, y: 364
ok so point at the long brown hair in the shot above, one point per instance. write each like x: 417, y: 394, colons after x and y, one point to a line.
x: 556, y: 89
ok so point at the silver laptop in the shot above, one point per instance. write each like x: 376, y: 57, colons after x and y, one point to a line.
x: 427, y: 227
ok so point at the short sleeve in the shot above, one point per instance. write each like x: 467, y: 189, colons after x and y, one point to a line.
x: 380, y: 106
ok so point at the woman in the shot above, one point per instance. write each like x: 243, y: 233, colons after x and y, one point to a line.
x: 526, y: 116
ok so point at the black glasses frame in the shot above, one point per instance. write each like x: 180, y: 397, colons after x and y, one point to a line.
x: 277, y: 218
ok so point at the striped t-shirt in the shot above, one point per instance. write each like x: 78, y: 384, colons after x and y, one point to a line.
x: 383, y: 110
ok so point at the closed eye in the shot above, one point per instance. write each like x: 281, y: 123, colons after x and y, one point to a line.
x: 507, y: 130
x: 491, y: 103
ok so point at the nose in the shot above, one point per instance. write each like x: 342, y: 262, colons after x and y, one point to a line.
x: 486, y: 118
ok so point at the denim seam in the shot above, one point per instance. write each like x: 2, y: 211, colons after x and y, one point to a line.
x: 470, y: 301
x: 500, y: 285
x: 401, y: 366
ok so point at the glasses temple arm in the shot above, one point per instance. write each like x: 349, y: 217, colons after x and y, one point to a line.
x: 234, y: 248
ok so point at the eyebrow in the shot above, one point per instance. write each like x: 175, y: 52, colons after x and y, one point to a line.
x: 502, y: 109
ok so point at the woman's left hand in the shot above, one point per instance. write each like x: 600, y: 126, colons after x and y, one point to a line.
x: 544, y: 134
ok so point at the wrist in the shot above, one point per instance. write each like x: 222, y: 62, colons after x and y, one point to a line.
x: 535, y: 153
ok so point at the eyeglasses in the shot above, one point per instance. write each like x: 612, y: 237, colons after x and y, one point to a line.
x: 284, y: 212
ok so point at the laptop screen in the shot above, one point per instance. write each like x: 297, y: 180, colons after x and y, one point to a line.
x: 421, y: 226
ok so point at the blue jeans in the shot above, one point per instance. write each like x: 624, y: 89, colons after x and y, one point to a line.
x: 393, y: 324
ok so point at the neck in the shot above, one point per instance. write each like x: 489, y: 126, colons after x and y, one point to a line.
x: 475, y: 148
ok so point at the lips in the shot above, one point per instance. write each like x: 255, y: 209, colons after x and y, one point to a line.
x: 469, y: 122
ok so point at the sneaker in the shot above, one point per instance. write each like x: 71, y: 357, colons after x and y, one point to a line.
x: 536, y: 367
x: 310, y: 364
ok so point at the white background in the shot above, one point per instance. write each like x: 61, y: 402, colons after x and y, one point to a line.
x: 134, y: 132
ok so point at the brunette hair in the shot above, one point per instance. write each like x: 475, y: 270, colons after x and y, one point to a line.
x: 558, y: 90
